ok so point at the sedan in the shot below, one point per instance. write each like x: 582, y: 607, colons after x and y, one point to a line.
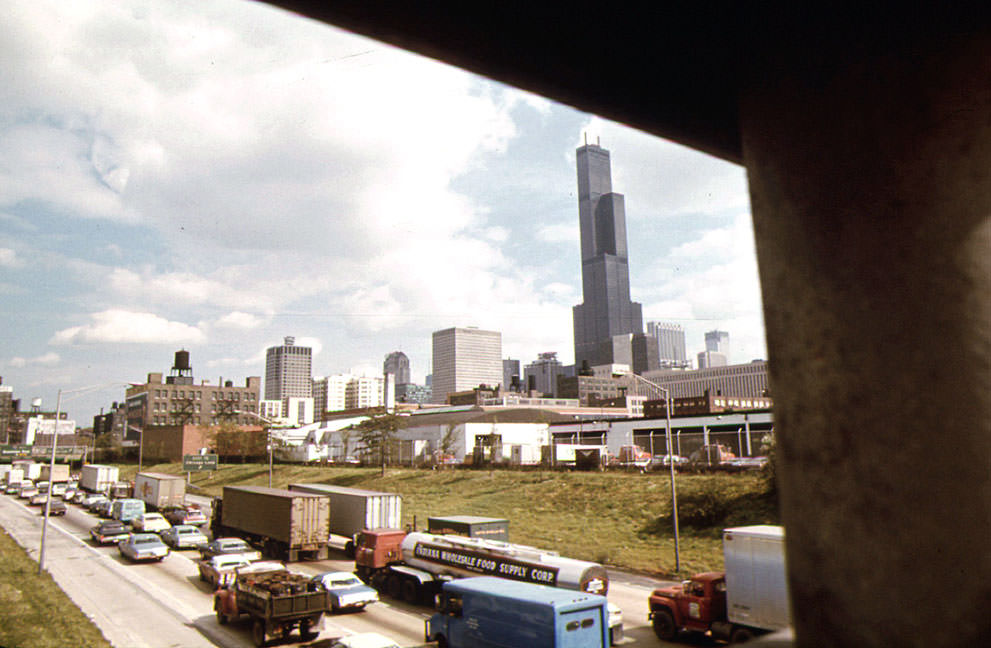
x: 143, y: 546
x: 91, y: 502
x: 103, y: 507
x: 27, y: 492
x: 229, y: 547
x: 151, y: 523
x: 109, y: 532
x: 189, y: 514
x: 346, y: 591
x: 37, y: 499
x: 12, y: 489
x: 183, y: 536
x: 55, y: 507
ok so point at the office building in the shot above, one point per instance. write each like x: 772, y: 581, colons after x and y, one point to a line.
x: 288, y: 372
x: 606, y: 320
x: 670, y: 344
x: 465, y: 358
x: 541, y: 375
x: 717, y: 341
x: 347, y: 392
x: 397, y: 363
x: 741, y: 381
x: 511, y: 375
x: 709, y: 359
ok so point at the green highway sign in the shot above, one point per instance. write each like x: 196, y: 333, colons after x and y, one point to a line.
x: 198, y: 462
x: 15, y: 451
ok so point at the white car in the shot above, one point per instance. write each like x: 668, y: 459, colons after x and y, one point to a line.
x: 364, y: 640
x: 346, y: 591
x: 150, y: 523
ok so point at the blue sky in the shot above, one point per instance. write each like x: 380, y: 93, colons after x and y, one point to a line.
x: 217, y: 175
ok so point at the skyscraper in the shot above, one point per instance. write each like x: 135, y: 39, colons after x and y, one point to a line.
x: 607, y: 311
x: 288, y: 372
x: 397, y: 363
x: 464, y: 358
x: 670, y: 344
x: 717, y: 341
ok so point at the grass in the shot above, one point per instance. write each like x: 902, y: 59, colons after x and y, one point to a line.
x: 33, y: 610
x: 618, y: 519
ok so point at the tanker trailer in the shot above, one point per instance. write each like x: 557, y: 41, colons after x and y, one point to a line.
x: 413, y: 566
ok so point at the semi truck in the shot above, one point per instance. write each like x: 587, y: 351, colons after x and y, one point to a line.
x: 413, y: 566
x: 748, y: 599
x: 277, y: 600
x: 353, y: 510
x: 159, y: 490
x: 283, y: 524
x: 488, y: 611
x: 97, y: 478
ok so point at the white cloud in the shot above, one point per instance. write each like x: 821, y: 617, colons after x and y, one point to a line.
x: 240, y: 320
x: 9, y: 259
x: 558, y: 233
x: 48, y: 359
x: 121, y: 326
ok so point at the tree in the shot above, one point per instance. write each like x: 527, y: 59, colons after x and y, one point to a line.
x: 109, y: 446
x: 378, y: 435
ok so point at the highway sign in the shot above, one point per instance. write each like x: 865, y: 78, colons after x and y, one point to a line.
x: 198, y: 462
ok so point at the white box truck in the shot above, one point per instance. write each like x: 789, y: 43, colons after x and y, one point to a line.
x: 159, y: 490
x: 748, y: 599
x: 97, y: 478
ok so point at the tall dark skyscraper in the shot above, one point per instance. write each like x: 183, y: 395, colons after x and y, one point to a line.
x: 607, y: 322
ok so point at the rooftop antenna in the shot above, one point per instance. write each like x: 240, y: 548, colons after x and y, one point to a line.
x: 586, y: 139
x: 597, y: 140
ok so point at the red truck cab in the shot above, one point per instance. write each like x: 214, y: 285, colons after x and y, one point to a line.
x: 695, y: 605
x: 376, y: 549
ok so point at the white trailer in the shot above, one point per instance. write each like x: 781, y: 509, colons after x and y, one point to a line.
x: 13, y: 476
x: 756, y: 581
x: 353, y: 510
x: 56, y: 473
x: 31, y: 470
x: 98, y: 478
x: 159, y: 490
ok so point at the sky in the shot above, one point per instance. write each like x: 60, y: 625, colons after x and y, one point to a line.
x: 215, y: 175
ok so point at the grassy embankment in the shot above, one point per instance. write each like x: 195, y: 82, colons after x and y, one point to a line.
x: 33, y: 610
x: 619, y: 519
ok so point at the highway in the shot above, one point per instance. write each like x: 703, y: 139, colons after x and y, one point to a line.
x: 165, y: 604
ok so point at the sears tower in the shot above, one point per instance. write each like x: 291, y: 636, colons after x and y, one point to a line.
x: 608, y: 326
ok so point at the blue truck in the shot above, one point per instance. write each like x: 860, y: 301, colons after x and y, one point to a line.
x: 491, y: 612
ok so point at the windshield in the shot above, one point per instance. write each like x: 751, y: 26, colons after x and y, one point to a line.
x: 344, y: 582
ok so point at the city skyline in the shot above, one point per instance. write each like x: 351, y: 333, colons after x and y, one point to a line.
x: 218, y: 178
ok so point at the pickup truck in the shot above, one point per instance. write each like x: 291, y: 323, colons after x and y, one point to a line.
x: 277, y: 600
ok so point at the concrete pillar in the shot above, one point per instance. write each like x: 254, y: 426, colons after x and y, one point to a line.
x: 870, y: 177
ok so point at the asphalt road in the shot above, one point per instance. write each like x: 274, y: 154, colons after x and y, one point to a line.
x: 165, y: 604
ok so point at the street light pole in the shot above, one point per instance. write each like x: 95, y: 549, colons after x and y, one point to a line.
x: 51, y: 473
x: 674, y: 491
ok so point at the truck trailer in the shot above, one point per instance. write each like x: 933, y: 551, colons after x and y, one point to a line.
x: 488, y: 611
x: 470, y: 525
x: 413, y: 566
x: 59, y: 473
x: 97, y: 478
x: 159, y: 490
x: 353, y: 510
x: 749, y: 599
x: 284, y: 524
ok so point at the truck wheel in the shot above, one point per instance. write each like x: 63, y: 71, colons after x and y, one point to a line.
x: 741, y: 635
x: 305, y: 633
x: 393, y: 586
x: 441, y: 641
x: 221, y: 617
x: 664, y: 626
x: 258, y: 633
x: 411, y: 593
x: 349, y: 549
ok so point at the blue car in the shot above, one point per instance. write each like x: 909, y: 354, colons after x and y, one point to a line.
x: 346, y: 591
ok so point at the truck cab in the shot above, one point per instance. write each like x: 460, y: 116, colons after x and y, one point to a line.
x: 375, y: 549
x: 694, y: 605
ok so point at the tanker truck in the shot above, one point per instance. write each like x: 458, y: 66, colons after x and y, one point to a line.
x: 414, y: 566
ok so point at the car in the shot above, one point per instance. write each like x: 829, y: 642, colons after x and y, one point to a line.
x: 229, y: 547
x: 27, y: 492
x: 151, y: 523
x: 12, y: 489
x: 38, y: 499
x: 345, y: 590
x: 92, y: 501
x: 183, y: 536
x: 55, y: 507
x: 364, y: 640
x: 219, y: 571
x: 68, y: 494
x: 42, y: 486
x: 143, y: 546
x: 189, y: 514
x: 103, y: 508
x: 110, y: 532
x: 88, y: 499
x: 57, y: 489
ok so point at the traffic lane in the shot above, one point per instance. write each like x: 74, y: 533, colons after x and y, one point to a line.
x: 126, y: 613
x: 401, y: 622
